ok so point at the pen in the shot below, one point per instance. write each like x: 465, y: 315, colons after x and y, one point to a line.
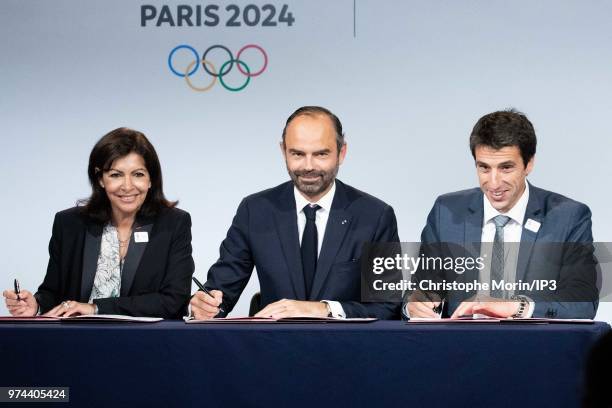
x: 436, y: 309
x: 17, y: 289
x: 440, y: 308
x: 203, y: 289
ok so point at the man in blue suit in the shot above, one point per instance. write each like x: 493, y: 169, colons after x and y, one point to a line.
x: 551, y: 235
x: 304, y: 236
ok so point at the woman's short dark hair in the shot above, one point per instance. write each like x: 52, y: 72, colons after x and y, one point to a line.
x: 114, y: 145
x: 503, y: 129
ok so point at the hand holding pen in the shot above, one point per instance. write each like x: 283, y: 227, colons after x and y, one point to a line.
x: 425, y: 305
x: 20, y: 302
x: 205, y: 303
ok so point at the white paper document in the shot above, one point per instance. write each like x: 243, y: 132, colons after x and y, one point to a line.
x: 265, y: 320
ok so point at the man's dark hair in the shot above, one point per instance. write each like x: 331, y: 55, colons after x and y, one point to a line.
x: 112, y: 146
x: 314, y: 111
x: 503, y: 129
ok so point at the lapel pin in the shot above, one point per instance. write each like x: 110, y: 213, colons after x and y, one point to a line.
x: 532, y: 225
x: 141, y: 236
x: 344, y: 222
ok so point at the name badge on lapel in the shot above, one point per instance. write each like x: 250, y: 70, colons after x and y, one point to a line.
x: 532, y: 225
x: 141, y: 236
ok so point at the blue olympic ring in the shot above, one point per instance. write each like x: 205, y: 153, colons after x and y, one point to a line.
x: 178, y: 47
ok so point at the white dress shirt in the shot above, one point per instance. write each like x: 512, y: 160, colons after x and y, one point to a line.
x: 512, y: 234
x: 322, y: 215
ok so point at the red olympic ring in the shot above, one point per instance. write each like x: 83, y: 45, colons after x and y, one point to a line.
x: 254, y: 74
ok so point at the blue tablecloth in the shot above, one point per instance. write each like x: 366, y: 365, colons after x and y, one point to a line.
x: 380, y: 364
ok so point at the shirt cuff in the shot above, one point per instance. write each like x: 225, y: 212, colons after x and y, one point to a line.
x: 189, y: 312
x: 530, y: 308
x: 336, y: 309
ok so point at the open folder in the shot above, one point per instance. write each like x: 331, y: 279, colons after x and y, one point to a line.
x: 110, y: 318
x: 304, y: 319
x: 486, y: 319
x: 80, y: 318
x: 29, y: 319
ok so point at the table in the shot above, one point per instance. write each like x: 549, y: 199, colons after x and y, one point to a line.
x: 380, y: 364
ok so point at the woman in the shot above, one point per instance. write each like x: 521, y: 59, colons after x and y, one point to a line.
x: 126, y: 250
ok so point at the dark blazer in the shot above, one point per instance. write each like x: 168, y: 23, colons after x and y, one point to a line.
x: 561, y: 249
x: 264, y: 235
x: 156, y: 275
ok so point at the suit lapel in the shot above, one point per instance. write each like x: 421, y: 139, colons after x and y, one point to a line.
x: 528, y: 237
x: 134, y: 255
x: 338, y: 224
x: 286, y: 225
x: 473, y: 226
x: 91, y: 250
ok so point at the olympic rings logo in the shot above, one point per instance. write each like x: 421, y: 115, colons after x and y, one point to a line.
x: 211, y: 70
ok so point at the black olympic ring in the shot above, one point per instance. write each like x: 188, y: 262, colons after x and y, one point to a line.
x: 231, y: 57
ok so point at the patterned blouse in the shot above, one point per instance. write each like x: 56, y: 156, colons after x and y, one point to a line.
x: 107, y: 282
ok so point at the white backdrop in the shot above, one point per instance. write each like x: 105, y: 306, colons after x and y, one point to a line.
x: 408, y: 79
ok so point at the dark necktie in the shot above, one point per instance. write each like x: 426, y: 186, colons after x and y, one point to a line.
x: 497, y: 259
x: 309, y: 247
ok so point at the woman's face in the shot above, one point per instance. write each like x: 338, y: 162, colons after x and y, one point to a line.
x: 126, y: 184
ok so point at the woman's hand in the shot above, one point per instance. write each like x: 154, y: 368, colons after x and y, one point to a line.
x: 23, y: 305
x: 71, y: 308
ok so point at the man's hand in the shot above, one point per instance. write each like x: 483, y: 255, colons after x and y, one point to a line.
x: 489, y: 306
x: 293, y: 308
x: 419, y: 305
x: 203, y: 306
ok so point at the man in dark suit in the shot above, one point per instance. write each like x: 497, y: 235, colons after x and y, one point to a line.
x: 551, y: 235
x: 304, y: 236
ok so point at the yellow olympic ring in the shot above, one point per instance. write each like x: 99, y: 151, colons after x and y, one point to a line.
x: 207, y: 87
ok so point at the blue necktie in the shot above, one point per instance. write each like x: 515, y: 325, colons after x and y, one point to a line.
x: 497, y: 259
x: 309, y: 247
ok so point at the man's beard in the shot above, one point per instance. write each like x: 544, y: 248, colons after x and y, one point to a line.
x: 311, y: 189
